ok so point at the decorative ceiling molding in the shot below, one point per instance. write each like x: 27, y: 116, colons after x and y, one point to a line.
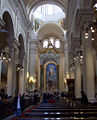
x: 49, y: 57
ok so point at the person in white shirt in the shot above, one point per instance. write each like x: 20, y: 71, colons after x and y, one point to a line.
x: 19, y: 105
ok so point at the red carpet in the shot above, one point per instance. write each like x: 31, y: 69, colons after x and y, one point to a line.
x: 26, y: 111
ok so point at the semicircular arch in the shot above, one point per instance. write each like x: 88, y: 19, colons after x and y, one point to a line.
x: 6, y: 9
x: 33, y: 7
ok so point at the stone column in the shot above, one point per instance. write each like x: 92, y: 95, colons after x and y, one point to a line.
x: 27, y: 63
x: 77, y: 79
x: 25, y: 74
x: 61, y: 73
x: 10, y: 79
x: 45, y: 83
x: 32, y: 64
x: 0, y: 69
x: 66, y: 65
x: 38, y: 70
x: 88, y: 67
x: 14, y: 79
x: 41, y: 77
x: 15, y: 57
x: 11, y: 75
x: 0, y: 4
x: 21, y: 81
x: 76, y: 47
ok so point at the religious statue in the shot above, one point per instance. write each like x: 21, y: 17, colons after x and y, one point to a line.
x: 51, y: 71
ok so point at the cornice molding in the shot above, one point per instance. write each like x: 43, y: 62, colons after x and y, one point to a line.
x: 84, y: 16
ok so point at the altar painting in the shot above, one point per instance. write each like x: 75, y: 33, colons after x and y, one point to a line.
x: 51, y: 76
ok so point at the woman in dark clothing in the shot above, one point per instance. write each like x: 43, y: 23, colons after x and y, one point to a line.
x: 84, y: 99
x: 35, y: 98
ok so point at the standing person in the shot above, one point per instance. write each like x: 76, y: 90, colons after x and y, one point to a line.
x: 35, y: 98
x: 84, y: 99
x: 23, y: 102
x: 1, y: 106
x: 18, y: 104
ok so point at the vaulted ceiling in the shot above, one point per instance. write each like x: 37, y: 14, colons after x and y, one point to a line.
x: 49, y: 30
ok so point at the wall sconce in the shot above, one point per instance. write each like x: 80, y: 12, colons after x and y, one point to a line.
x: 5, y: 56
x: 19, y: 67
x: 75, y: 58
x: 86, y: 35
x: 78, y: 55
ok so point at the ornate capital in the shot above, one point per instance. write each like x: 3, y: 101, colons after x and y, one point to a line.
x: 33, y: 43
x: 12, y: 44
x: 33, y: 49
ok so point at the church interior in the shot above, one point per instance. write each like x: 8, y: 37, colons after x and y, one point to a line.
x: 48, y: 54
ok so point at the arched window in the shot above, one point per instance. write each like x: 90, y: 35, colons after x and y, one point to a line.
x: 51, y: 42
x: 57, y: 43
x: 45, y: 43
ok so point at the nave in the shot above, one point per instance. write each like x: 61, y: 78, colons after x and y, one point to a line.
x: 48, y: 45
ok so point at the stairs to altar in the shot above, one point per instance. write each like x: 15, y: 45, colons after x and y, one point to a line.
x: 60, y: 111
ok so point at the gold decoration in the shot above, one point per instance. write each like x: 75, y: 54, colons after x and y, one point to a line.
x: 50, y: 47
